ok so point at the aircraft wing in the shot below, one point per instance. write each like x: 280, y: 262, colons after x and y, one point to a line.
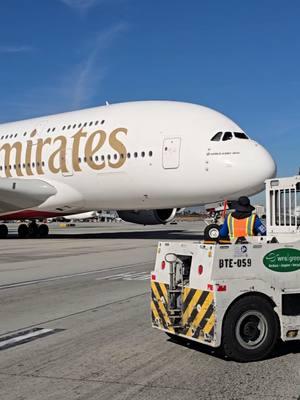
x: 20, y: 194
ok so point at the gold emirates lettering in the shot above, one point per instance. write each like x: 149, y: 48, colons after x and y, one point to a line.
x: 57, y: 160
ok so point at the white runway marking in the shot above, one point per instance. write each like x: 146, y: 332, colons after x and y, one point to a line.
x: 57, y: 278
x: 128, y: 276
x: 15, y: 340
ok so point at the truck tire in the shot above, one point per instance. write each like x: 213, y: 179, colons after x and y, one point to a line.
x: 212, y: 232
x: 250, y: 329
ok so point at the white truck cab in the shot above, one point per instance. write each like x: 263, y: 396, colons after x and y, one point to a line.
x: 242, y: 296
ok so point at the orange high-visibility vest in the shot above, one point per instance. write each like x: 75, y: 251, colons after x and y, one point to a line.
x: 240, y: 227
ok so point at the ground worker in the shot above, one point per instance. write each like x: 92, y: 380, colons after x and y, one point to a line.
x: 242, y: 222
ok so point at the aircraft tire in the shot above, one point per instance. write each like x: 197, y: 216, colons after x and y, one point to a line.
x: 43, y: 230
x: 3, y: 231
x: 212, y: 232
x: 23, y: 231
x: 250, y: 330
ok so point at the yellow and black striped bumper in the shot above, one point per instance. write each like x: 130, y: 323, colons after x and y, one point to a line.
x: 198, y: 314
x: 159, y: 306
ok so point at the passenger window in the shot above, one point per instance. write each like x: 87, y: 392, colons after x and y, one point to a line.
x: 227, y: 136
x: 143, y: 154
x: 217, y: 137
x: 240, y: 135
x: 150, y: 153
x: 128, y: 155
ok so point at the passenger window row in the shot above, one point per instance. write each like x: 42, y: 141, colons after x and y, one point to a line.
x: 80, y: 159
x: 115, y: 156
x: 80, y: 125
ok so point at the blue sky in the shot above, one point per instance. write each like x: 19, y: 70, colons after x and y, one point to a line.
x: 239, y: 57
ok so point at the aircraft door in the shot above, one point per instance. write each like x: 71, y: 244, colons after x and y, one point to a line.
x: 171, y: 153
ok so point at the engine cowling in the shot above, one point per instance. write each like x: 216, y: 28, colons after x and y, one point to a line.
x: 148, y: 217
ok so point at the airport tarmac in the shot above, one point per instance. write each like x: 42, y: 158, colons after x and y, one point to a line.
x: 83, y: 296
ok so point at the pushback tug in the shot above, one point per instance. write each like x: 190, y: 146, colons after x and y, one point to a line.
x: 242, y: 296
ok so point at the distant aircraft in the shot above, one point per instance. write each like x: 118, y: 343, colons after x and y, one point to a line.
x: 88, y: 215
x: 144, y: 159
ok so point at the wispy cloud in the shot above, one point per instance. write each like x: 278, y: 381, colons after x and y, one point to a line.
x: 81, y: 5
x: 74, y: 88
x: 15, y: 49
x: 89, y: 73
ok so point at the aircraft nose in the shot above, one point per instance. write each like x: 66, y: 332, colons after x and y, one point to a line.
x: 263, y: 164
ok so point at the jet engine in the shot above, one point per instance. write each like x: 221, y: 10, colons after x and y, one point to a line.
x: 148, y: 217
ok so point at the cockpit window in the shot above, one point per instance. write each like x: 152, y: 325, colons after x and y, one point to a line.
x: 217, y: 137
x: 240, y: 135
x: 227, y: 136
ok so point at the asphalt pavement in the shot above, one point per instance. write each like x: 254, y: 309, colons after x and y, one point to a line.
x: 75, y: 324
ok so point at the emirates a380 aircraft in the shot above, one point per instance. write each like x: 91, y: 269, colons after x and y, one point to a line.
x: 144, y: 159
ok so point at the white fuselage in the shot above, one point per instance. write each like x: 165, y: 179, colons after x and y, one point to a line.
x: 139, y: 155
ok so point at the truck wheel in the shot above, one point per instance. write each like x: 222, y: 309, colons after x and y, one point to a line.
x: 212, y: 232
x: 250, y: 329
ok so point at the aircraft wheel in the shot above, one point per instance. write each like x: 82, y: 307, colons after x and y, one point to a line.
x: 23, y: 231
x: 43, y: 230
x: 212, y: 232
x: 33, y: 229
x: 250, y: 330
x: 3, y: 231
